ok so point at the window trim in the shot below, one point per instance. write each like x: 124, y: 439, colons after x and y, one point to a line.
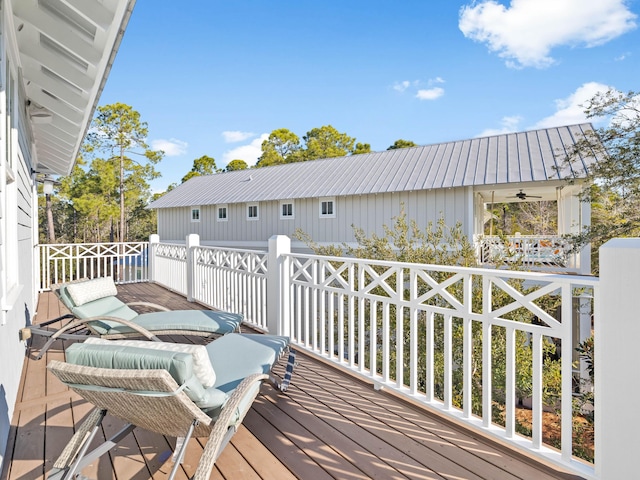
x: 226, y: 213
x: 249, y: 207
x: 199, y: 216
x: 293, y: 211
x: 322, y: 200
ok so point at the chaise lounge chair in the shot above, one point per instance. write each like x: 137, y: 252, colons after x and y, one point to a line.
x: 94, y: 306
x: 171, y: 389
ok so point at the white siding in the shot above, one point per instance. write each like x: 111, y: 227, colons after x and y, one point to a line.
x: 369, y: 212
x: 17, y: 240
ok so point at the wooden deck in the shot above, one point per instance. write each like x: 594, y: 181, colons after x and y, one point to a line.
x: 328, y: 425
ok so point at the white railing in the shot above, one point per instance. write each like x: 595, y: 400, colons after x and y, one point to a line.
x: 169, y: 266
x: 550, y: 252
x: 419, y: 330
x: 125, y: 262
x: 471, y: 343
x: 232, y: 280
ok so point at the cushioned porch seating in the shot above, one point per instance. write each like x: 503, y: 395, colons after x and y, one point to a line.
x: 179, y: 391
x: 94, y: 305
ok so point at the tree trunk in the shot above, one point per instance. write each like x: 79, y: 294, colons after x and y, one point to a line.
x: 51, y: 234
x: 122, y: 226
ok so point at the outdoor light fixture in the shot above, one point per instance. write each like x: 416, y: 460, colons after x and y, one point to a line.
x: 47, y: 181
x: 47, y: 185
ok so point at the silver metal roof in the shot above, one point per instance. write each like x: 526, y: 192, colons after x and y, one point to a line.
x: 533, y: 156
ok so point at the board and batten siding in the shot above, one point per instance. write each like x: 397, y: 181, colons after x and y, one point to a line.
x: 369, y: 212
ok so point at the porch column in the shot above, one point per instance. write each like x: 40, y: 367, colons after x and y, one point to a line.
x: 278, y: 285
x: 154, y: 239
x: 193, y: 240
x: 617, y: 332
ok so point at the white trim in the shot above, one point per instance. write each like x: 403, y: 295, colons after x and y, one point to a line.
x: 255, y: 217
x: 226, y: 213
x: 195, y: 218
x: 329, y: 204
x: 290, y: 216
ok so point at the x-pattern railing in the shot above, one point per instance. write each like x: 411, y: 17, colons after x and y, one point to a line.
x: 443, y: 335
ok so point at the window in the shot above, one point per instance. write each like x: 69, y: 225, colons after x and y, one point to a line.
x: 327, y: 207
x: 222, y: 213
x: 195, y: 214
x: 252, y: 212
x: 286, y: 210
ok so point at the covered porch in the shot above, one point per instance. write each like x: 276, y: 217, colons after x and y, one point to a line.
x: 328, y: 425
x: 542, y: 244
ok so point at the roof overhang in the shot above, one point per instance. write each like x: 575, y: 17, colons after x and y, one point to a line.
x: 65, y: 51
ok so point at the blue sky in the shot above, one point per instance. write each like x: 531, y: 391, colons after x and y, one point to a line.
x: 216, y: 77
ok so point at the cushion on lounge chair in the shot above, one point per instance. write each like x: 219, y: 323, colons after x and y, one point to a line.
x: 194, y: 320
x: 238, y: 355
x: 90, y: 290
x: 206, y: 321
x: 202, y: 368
x: 178, y: 364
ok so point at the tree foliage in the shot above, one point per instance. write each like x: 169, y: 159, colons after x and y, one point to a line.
x: 400, y: 143
x: 237, y: 164
x: 615, y: 177
x: 116, y: 134
x: 284, y: 146
x: 103, y: 198
x: 204, y: 165
x: 281, y: 146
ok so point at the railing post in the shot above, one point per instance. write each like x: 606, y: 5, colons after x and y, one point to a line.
x: 617, y: 332
x: 278, y: 281
x: 193, y: 240
x: 154, y: 239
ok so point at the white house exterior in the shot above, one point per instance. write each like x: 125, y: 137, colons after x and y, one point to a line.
x: 325, y: 198
x: 55, y: 57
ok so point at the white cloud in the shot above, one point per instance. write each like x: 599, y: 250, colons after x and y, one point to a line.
x: 401, y: 86
x: 171, y: 147
x: 525, y: 32
x: 509, y: 124
x: 249, y: 153
x: 570, y: 110
x: 436, y: 80
x: 236, y: 136
x: 430, y: 94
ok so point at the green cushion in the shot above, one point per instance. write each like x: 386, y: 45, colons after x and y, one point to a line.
x: 179, y: 365
x: 194, y: 320
x: 236, y: 356
x: 104, y: 307
x: 64, y: 296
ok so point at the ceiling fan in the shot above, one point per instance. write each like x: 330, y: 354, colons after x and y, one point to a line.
x: 523, y: 196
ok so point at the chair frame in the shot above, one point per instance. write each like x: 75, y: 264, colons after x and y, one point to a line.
x: 70, y: 330
x: 150, y: 399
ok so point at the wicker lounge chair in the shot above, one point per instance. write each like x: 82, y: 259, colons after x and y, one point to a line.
x: 162, y: 391
x: 96, y: 310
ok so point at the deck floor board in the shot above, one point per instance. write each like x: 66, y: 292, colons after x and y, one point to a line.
x: 329, y: 425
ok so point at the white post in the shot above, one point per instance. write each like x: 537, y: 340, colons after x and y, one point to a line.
x: 193, y: 240
x: 278, y: 286
x: 154, y: 239
x: 617, y: 330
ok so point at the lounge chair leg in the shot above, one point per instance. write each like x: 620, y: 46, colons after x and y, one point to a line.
x: 77, y: 447
x: 291, y: 362
x: 85, y: 435
x: 179, y: 455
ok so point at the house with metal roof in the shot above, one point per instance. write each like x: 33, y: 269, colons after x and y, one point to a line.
x: 326, y: 198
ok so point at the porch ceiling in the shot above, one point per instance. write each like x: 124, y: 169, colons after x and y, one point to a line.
x: 65, y: 51
x: 533, y: 192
